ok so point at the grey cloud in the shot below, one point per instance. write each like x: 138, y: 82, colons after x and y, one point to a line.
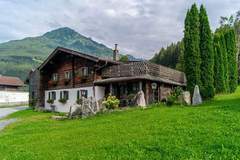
x: 141, y: 27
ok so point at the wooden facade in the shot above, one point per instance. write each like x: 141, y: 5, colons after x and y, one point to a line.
x: 65, y: 69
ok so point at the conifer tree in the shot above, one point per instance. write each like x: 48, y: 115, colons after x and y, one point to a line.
x: 191, y: 46
x: 207, y: 55
x: 180, y: 64
x: 224, y: 60
x: 230, y: 39
x: 219, y: 78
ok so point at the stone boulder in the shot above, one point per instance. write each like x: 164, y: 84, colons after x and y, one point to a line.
x: 185, y: 98
x: 140, y: 99
x: 196, y: 99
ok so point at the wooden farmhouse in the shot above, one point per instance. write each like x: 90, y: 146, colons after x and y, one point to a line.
x: 71, y: 75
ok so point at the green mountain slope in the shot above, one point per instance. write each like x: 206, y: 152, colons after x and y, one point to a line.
x: 19, y: 56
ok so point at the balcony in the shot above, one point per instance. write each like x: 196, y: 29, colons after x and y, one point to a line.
x: 141, y: 69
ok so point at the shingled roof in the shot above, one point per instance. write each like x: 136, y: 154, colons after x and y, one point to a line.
x: 11, y: 81
x: 75, y: 53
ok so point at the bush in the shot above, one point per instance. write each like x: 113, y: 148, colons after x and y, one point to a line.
x: 171, y: 100
x: 173, y: 97
x: 63, y: 100
x: 111, y: 102
x: 177, y: 92
x: 50, y: 101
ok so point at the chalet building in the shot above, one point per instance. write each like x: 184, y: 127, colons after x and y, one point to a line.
x: 8, y: 83
x: 71, y: 75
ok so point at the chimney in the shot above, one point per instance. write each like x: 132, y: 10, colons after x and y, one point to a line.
x: 115, y: 53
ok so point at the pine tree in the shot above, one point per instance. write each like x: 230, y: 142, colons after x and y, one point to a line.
x: 192, y: 51
x: 207, y: 55
x: 219, y: 76
x: 231, y: 48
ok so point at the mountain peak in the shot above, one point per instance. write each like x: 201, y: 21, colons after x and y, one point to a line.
x: 64, y: 32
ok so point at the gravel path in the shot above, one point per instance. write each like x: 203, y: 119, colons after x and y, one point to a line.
x: 5, y: 112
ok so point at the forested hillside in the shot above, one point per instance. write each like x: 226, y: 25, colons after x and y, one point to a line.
x: 19, y: 56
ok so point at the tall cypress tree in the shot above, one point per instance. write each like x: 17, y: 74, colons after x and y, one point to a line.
x: 219, y: 74
x: 192, y: 51
x: 224, y: 60
x: 230, y: 39
x: 207, y: 55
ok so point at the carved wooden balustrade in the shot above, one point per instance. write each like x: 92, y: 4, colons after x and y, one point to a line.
x: 134, y: 69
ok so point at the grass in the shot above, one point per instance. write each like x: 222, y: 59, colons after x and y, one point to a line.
x: 209, y: 131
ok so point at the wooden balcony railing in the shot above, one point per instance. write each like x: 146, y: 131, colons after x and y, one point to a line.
x: 132, y: 69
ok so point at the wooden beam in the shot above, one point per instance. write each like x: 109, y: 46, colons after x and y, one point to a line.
x: 73, y: 71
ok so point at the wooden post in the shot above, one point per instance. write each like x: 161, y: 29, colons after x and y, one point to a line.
x: 111, y: 89
x: 73, y: 71
x: 147, y: 93
x: 140, y: 86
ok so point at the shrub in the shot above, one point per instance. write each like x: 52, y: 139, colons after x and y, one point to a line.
x: 111, y: 102
x: 173, y: 97
x: 63, y: 100
x: 177, y: 92
x: 50, y: 101
x: 171, y: 100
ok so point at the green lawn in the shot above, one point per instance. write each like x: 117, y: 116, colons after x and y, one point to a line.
x: 210, y: 131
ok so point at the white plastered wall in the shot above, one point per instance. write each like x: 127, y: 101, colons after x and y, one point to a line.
x: 13, y: 97
x: 60, y: 107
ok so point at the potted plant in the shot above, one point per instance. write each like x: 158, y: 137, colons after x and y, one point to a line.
x: 63, y: 100
x: 50, y: 101
x: 66, y: 81
x: 53, y: 82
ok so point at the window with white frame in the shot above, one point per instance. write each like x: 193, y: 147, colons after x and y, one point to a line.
x: 82, y: 93
x: 64, y: 95
x: 55, y: 77
x: 68, y: 75
x: 84, y: 71
x: 52, y: 95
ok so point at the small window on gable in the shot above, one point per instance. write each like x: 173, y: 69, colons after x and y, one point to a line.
x: 55, y: 77
x: 68, y: 75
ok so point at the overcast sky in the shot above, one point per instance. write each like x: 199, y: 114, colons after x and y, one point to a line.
x: 140, y: 27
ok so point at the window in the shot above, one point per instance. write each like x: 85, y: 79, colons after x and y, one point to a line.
x: 82, y: 93
x: 52, y: 95
x: 64, y: 95
x: 84, y: 71
x: 68, y: 75
x: 55, y: 77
